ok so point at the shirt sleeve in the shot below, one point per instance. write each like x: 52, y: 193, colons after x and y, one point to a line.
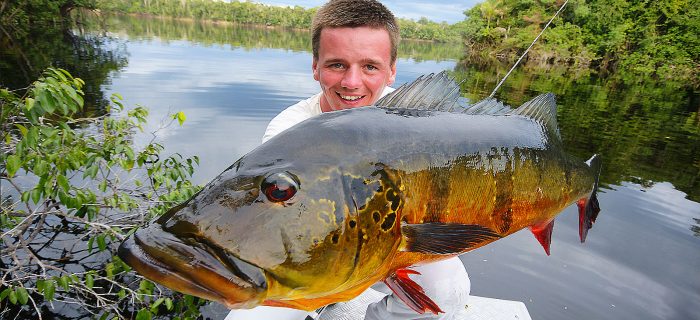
x: 292, y: 115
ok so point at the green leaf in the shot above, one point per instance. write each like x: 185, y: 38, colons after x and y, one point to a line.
x: 22, y: 295
x: 90, y: 244
x: 29, y: 103
x: 109, y: 270
x: 169, y: 304
x: 13, y: 297
x: 46, y: 101
x: 89, y: 280
x: 63, y: 182
x: 103, y: 185
x: 144, y: 314
x: 64, y: 282
x: 180, y: 116
x: 5, y: 293
x: 49, y: 290
x: 12, y: 164
x: 101, y: 243
x: 41, y: 167
x: 40, y: 285
x: 36, y: 195
x: 22, y: 129
x: 81, y: 212
x: 154, y: 305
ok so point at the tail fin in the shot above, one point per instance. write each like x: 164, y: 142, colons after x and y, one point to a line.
x: 588, y: 209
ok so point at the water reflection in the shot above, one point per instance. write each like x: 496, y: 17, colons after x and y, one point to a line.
x: 646, y: 129
x: 90, y: 57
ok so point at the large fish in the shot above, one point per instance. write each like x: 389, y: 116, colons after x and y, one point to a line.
x: 340, y: 201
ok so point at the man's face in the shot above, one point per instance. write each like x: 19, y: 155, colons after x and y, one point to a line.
x: 353, y: 66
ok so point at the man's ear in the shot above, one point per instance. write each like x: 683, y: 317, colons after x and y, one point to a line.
x: 392, y: 77
x: 314, y: 67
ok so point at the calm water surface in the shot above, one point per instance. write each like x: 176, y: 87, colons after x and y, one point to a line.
x: 641, y: 259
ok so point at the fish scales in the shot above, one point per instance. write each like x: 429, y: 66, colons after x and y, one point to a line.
x: 340, y: 201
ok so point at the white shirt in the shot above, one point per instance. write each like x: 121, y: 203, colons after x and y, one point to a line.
x: 299, y: 112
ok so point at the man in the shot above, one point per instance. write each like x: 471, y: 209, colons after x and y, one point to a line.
x: 354, y: 60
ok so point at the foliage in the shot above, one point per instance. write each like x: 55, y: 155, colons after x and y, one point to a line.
x: 29, y: 48
x: 18, y: 16
x: 74, y: 188
x: 657, y: 38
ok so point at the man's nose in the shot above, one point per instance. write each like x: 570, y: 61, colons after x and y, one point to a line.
x: 352, y: 79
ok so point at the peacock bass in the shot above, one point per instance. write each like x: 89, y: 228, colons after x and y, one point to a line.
x: 340, y: 201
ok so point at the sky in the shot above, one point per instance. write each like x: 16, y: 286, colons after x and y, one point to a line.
x: 437, y: 10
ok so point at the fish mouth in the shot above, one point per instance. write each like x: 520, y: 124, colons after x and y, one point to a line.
x: 194, y: 267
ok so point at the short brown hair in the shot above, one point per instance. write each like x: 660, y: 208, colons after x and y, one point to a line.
x: 354, y: 13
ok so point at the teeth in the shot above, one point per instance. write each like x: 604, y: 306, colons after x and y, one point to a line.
x: 351, y: 98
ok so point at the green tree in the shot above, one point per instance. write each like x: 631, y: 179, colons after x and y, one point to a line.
x: 73, y: 188
x: 649, y: 38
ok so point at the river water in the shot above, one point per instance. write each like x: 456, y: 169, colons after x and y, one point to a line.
x: 641, y: 259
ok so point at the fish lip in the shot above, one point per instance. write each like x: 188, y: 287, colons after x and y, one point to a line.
x: 194, y: 267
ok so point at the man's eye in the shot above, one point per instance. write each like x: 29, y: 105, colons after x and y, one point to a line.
x: 371, y: 67
x: 337, y: 66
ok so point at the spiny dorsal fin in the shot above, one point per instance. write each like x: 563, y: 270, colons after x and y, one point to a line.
x: 543, y: 109
x: 431, y: 92
x: 489, y: 106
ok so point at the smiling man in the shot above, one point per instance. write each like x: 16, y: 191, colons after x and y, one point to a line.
x: 353, y: 66
x: 354, y: 60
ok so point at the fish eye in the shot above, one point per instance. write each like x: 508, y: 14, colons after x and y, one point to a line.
x: 279, y: 187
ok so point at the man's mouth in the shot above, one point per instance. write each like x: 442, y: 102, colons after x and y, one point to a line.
x: 350, y: 98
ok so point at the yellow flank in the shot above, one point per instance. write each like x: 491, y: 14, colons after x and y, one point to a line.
x: 501, y: 191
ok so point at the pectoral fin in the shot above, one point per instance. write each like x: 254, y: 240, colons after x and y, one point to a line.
x: 410, y: 292
x: 445, y: 238
x: 543, y: 233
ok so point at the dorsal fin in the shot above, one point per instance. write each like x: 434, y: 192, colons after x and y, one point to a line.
x: 489, y: 106
x: 431, y: 92
x: 542, y: 109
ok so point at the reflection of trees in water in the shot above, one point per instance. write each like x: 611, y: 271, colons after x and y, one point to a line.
x: 88, y: 57
x: 696, y: 228
x: 645, y: 129
x: 251, y: 37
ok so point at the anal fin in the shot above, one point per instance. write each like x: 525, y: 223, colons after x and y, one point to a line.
x: 543, y: 233
x: 410, y: 292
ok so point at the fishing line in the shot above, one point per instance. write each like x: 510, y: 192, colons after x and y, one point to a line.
x: 528, y: 49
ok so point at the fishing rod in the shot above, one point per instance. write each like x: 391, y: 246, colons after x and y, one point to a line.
x: 528, y: 49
